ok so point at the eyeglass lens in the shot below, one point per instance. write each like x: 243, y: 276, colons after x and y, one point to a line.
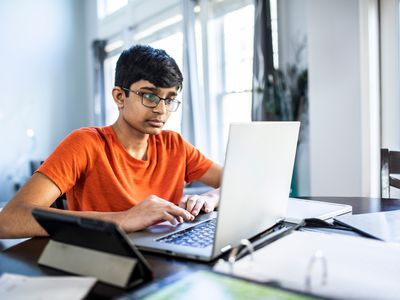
x: 151, y: 100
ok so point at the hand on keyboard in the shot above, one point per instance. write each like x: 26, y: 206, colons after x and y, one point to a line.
x: 194, y: 203
x: 150, y: 211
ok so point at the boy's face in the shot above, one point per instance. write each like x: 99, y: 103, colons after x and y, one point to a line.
x: 144, y: 119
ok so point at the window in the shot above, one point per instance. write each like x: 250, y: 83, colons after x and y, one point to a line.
x: 109, y: 78
x: 233, y: 100
x: 238, y: 53
x: 107, y: 7
x: 230, y: 61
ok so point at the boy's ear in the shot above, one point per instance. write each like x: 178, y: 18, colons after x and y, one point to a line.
x: 118, y: 95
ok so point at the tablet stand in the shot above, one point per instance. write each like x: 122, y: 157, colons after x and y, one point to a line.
x: 118, y: 270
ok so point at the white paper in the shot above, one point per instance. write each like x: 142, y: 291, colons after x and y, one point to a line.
x: 382, y: 225
x: 299, y: 209
x: 18, y: 287
x: 357, y: 268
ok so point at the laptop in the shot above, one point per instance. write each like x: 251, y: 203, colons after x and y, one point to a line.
x: 253, y: 196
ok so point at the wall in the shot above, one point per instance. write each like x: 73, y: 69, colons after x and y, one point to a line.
x: 43, y: 81
x: 335, y: 100
x: 91, y: 34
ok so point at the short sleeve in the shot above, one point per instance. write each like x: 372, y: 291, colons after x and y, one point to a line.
x: 196, y: 163
x: 74, y: 156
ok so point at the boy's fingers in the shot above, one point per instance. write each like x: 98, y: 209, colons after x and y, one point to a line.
x: 191, y: 202
x: 183, y: 201
x: 199, y: 205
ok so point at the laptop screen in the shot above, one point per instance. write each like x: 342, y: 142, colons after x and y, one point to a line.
x: 256, y: 180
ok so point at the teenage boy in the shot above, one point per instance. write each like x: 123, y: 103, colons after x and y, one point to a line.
x: 131, y: 173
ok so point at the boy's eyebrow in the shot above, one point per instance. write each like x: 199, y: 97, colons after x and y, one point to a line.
x: 157, y: 90
x: 172, y: 94
x: 150, y: 88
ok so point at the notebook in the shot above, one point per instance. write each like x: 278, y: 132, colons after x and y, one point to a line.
x: 330, y: 265
x: 253, y: 197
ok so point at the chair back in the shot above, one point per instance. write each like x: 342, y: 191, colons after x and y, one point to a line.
x: 390, y: 165
x: 60, y: 202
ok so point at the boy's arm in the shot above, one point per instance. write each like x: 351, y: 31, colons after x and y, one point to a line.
x: 39, y: 191
x: 16, y: 219
x: 213, y: 176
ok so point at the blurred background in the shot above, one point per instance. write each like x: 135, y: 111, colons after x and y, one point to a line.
x: 332, y: 64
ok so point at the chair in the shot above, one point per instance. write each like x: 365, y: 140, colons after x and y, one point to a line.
x: 390, y: 165
x: 61, y: 202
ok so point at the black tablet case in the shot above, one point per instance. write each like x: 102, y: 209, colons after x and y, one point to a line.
x: 98, y: 241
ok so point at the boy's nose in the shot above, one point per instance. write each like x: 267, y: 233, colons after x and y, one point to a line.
x: 161, y: 107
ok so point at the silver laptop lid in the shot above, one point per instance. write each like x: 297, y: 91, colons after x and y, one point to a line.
x: 256, y: 180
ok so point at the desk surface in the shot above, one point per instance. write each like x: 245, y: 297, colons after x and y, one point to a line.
x: 362, y: 205
x: 22, y: 258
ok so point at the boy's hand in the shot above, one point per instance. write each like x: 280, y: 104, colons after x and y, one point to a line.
x: 150, y: 211
x: 195, y: 203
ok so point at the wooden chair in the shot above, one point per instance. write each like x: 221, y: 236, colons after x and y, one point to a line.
x: 390, y: 165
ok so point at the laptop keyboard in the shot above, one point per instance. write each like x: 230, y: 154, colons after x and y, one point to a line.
x: 199, y: 236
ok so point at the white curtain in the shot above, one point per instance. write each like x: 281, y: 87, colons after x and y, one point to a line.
x: 194, y: 126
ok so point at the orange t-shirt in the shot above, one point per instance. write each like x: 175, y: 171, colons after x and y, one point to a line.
x: 96, y: 172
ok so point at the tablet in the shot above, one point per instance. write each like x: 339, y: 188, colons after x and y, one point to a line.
x: 87, y: 233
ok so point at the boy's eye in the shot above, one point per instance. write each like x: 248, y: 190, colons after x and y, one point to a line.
x: 151, y: 97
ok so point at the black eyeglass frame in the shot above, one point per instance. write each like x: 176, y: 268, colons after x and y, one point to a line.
x: 167, y: 101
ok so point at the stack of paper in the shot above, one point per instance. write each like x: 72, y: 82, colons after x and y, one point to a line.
x: 299, y: 209
x: 17, y: 287
x: 381, y: 225
x: 356, y: 268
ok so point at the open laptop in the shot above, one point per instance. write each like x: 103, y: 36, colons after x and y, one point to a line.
x: 253, y: 197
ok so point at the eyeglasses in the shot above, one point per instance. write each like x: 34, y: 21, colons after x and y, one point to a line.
x: 150, y: 100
